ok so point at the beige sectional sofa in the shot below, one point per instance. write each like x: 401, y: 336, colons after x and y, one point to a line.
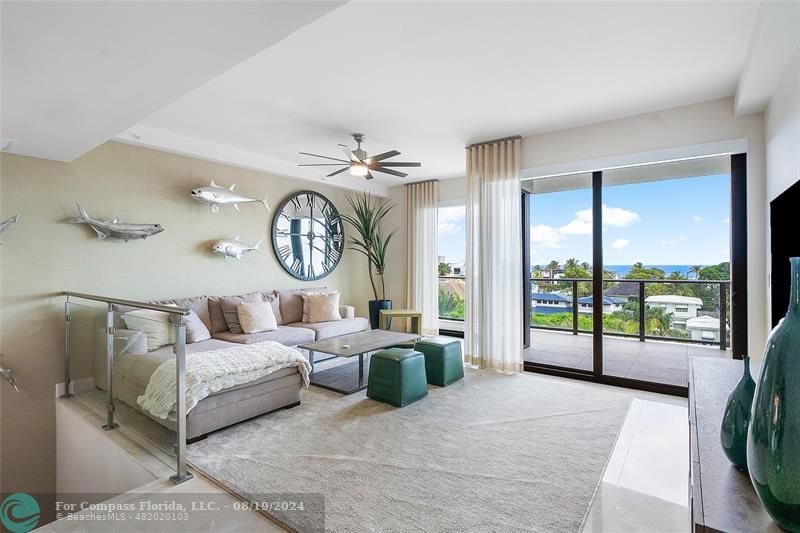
x: 133, y: 364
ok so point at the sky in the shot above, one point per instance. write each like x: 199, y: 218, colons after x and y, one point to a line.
x: 669, y: 222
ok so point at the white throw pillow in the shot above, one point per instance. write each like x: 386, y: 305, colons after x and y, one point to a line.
x: 304, y: 294
x: 256, y: 317
x: 323, y: 307
x: 155, y: 324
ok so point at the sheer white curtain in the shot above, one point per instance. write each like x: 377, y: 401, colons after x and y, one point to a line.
x: 422, y: 219
x: 493, y: 300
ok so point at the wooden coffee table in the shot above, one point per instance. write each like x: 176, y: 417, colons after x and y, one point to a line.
x: 345, y: 378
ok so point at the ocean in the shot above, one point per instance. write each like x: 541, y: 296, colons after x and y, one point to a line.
x: 621, y: 270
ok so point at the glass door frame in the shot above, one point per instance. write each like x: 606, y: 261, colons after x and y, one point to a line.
x: 738, y: 286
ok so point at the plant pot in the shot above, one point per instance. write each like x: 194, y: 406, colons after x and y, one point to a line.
x: 735, y: 422
x: 375, y: 307
x: 773, y: 439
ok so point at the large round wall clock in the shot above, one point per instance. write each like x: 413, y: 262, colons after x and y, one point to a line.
x: 307, y: 235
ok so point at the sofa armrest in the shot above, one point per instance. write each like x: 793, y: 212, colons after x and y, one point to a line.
x: 347, y: 311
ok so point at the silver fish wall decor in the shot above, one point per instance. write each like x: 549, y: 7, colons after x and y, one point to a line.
x: 6, y: 223
x: 115, y: 228
x: 235, y: 248
x: 215, y: 196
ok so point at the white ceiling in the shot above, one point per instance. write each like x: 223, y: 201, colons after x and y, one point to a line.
x: 75, y: 74
x: 429, y: 78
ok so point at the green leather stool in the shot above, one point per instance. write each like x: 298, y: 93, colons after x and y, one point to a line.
x: 443, y: 361
x: 397, y: 377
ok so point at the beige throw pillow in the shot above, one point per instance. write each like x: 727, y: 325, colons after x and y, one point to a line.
x: 256, y: 317
x: 303, y: 295
x: 230, y: 309
x: 322, y: 307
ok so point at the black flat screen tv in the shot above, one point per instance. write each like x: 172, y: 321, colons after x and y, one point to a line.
x: 784, y: 228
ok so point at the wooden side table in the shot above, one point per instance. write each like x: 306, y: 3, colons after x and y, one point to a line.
x: 413, y: 314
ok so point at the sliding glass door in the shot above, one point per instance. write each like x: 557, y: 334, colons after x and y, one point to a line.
x: 630, y: 271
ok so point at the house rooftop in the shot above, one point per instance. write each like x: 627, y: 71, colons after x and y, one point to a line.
x: 674, y: 299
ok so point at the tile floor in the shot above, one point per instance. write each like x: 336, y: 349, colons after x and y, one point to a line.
x: 656, y: 361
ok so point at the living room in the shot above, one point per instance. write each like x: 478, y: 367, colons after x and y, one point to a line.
x: 180, y: 181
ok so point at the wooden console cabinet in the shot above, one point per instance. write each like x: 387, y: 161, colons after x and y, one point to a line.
x: 721, y: 497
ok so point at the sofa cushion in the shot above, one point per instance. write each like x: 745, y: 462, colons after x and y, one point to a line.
x: 230, y: 309
x: 216, y: 316
x: 256, y: 317
x: 292, y: 304
x: 326, y: 330
x: 198, y: 304
x: 273, y: 298
x: 289, y: 336
x: 322, y: 307
x: 196, y: 330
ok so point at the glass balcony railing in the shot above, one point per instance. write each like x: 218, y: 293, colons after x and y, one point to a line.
x: 689, y: 311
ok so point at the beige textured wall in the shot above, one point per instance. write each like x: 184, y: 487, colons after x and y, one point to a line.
x: 42, y: 255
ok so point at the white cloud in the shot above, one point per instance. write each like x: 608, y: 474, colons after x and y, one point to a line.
x: 697, y: 219
x: 451, y: 219
x: 455, y: 213
x: 612, y: 216
x: 670, y: 242
x: 618, y: 217
x: 546, y: 236
x: 619, y: 244
x: 447, y: 228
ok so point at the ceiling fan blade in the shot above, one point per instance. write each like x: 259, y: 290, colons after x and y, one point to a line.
x: 389, y: 171
x: 381, y: 157
x: 337, y: 172
x: 349, y: 153
x: 325, y: 157
x: 399, y: 164
x: 368, y: 176
x: 322, y: 164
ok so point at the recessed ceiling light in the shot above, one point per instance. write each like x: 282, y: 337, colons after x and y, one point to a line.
x: 6, y: 144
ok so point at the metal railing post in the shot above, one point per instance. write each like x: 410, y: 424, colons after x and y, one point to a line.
x: 574, y: 307
x: 642, y: 332
x: 109, y: 425
x: 67, y: 320
x: 723, y: 312
x: 181, y: 474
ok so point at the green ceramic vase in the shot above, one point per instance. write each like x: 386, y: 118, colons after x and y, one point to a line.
x: 733, y: 433
x: 773, y: 439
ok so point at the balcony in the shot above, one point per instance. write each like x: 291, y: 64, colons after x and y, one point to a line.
x: 652, y: 342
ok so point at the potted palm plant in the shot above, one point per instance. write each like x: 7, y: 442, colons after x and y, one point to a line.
x: 373, y: 243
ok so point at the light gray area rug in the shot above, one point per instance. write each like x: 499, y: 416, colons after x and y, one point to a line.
x: 493, y: 452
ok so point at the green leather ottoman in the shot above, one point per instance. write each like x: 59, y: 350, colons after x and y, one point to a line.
x: 443, y: 361
x: 397, y: 377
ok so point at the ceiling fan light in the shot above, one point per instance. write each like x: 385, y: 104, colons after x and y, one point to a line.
x: 359, y: 169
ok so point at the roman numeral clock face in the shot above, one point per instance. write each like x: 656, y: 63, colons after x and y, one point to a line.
x: 307, y: 235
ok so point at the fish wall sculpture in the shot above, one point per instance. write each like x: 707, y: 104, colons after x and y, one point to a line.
x: 235, y: 248
x: 115, y: 228
x: 215, y: 196
x: 6, y: 223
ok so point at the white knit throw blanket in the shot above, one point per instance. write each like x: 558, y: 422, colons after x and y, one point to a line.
x: 210, y: 372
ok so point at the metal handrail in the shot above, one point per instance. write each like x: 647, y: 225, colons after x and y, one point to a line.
x: 642, y: 335
x: 130, y: 303
x: 181, y: 472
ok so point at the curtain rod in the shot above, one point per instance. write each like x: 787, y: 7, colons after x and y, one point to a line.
x: 418, y: 182
x: 512, y: 138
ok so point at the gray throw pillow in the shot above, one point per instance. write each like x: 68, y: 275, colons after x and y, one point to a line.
x: 216, y: 316
x: 229, y: 306
x: 196, y: 331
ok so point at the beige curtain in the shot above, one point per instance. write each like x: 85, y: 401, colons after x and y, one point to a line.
x: 493, y: 299
x: 422, y: 219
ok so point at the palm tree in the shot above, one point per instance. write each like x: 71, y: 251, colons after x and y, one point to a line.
x: 553, y: 265
x: 571, y: 263
x: 695, y: 269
